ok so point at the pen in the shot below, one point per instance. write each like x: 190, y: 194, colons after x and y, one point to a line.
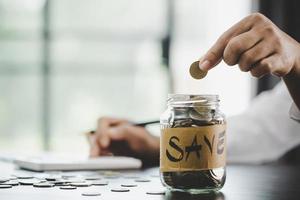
x: 141, y: 124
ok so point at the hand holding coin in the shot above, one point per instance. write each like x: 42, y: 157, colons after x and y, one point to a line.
x: 196, y: 72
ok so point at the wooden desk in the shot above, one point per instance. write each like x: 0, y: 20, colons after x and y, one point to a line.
x: 243, y: 183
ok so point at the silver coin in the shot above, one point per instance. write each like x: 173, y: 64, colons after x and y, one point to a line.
x: 11, y: 182
x: 67, y: 187
x: 5, y: 186
x: 99, y: 183
x: 3, y: 180
x: 156, y: 192
x: 120, y: 190
x: 58, y: 182
x: 91, y: 194
x: 92, y: 178
x: 29, y: 181
x: 83, y: 184
x: 24, y: 176
x: 142, y: 180
x: 129, y: 185
x: 43, y: 185
x: 53, y: 178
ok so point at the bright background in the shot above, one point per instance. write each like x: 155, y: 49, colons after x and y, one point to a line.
x: 64, y: 63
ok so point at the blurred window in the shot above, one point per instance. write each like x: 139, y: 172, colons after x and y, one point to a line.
x: 64, y: 63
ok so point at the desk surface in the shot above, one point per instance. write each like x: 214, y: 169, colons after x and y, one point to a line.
x: 243, y: 183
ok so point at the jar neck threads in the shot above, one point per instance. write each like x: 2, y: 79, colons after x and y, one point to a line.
x: 190, y: 100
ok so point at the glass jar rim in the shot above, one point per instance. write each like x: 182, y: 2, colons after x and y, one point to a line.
x: 193, y: 100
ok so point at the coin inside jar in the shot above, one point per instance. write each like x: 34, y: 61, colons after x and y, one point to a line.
x: 195, y: 121
x: 196, y: 72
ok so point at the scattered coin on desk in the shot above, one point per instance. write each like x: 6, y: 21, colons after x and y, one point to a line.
x: 11, y: 182
x: 2, y: 180
x: 59, y: 182
x: 163, y: 192
x: 43, y: 185
x: 24, y: 176
x: 5, y: 186
x: 99, y: 183
x: 120, y: 190
x: 129, y: 185
x: 29, y: 181
x: 67, y: 187
x: 82, y: 184
x: 91, y: 194
x: 142, y: 180
x: 53, y: 178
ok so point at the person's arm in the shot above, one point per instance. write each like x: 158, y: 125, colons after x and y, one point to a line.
x: 264, y: 132
x: 259, y: 47
x: 119, y: 137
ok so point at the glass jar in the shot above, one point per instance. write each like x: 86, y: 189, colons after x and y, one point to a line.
x: 193, y: 144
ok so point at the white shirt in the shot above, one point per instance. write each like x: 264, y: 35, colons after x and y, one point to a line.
x: 265, y: 131
x: 295, y: 113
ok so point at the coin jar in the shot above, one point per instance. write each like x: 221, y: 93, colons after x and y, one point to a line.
x: 193, y: 144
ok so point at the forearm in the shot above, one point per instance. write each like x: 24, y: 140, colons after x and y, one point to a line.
x: 292, y: 81
x: 256, y: 136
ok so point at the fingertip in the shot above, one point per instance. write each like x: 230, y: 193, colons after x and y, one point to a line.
x: 104, y: 142
x: 205, y: 65
x: 116, y: 133
x: 94, y: 152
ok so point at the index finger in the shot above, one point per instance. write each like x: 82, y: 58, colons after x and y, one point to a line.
x: 103, y: 125
x: 214, y: 55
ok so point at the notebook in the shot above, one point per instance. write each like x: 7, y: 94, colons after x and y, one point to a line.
x: 50, y: 163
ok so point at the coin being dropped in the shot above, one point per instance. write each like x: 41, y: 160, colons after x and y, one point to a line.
x: 196, y: 72
x: 5, y: 186
x: 91, y: 194
x: 120, y: 190
x: 67, y: 187
x: 156, y: 192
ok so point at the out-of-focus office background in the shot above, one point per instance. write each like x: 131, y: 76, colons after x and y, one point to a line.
x: 64, y: 63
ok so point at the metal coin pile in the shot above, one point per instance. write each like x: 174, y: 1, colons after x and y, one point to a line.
x: 88, y: 183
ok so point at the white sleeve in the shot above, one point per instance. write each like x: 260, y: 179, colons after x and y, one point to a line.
x: 295, y: 113
x: 265, y: 131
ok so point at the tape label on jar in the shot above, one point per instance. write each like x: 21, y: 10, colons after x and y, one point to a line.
x: 193, y: 148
